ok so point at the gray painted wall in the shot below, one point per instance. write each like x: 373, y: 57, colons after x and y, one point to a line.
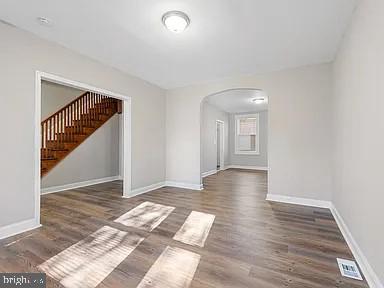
x: 21, y: 54
x: 55, y: 96
x: 208, y: 131
x: 260, y: 160
x: 359, y: 131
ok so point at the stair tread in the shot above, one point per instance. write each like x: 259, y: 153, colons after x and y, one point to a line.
x: 70, y: 133
x: 49, y: 159
x: 57, y: 149
x: 54, y: 141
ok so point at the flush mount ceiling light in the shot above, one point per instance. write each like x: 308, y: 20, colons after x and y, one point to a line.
x: 44, y: 21
x: 258, y: 100
x: 176, y: 21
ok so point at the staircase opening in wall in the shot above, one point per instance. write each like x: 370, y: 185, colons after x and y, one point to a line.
x: 66, y: 128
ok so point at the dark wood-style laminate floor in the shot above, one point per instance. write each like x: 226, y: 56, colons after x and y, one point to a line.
x: 252, y: 243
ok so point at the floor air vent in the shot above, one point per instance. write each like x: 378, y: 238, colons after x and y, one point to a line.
x: 349, y: 269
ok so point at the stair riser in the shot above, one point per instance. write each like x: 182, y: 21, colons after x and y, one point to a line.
x: 48, y: 164
x: 68, y: 137
x: 49, y: 153
x: 86, y: 123
x: 59, y: 154
x: 64, y: 145
x: 101, y: 110
x: 105, y: 107
x: 91, y: 117
x: 86, y: 119
x: 79, y: 130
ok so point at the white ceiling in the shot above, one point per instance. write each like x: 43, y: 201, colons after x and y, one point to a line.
x: 226, y: 37
x: 239, y: 100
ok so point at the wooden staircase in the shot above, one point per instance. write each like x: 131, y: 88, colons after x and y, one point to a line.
x: 63, y: 131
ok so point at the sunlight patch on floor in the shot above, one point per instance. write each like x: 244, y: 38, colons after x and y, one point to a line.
x: 146, y: 216
x: 195, y: 229
x: 86, y: 263
x: 174, y: 268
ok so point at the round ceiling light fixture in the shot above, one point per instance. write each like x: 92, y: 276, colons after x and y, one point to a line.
x: 258, y: 100
x: 176, y: 21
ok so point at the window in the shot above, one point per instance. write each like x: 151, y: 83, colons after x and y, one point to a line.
x: 247, y: 134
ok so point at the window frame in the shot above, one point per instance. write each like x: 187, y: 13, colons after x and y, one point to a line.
x: 238, y: 117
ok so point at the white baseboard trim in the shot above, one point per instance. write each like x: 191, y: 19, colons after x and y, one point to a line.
x: 133, y: 193
x: 149, y: 188
x: 369, y: 274
x: 208, y: 173
x: 146, y: 189
x: 261, y: 168
x: 299, y: 201
x: 55, y: 189
x: 20, y: 227
x: 190, y: 186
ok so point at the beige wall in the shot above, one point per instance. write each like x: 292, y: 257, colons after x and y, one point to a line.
x: 300, y: 130
x: 55, y: 97
x: 359, y: 132
x: 21, y: 54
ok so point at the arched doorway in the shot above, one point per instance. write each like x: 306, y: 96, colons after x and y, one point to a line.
x: 234, y: 130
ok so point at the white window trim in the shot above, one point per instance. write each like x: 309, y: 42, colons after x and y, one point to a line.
x: 240, y: 116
